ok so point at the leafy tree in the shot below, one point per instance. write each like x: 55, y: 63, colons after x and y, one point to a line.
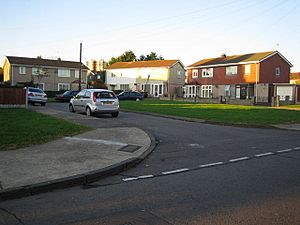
x: 153, y: 56
x: 128, y: 56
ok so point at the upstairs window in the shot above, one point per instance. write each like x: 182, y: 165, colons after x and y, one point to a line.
x: 195, y: 74
x: 231, y: 70
x: 208, y: 72
x: 77, y: 73
x: 63, y: 73
x: 277, y: 71
x: 22, y: 70
x: 247, y: 69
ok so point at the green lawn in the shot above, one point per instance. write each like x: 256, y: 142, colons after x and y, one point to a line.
x: 22, y: 127
x: 216, y: 113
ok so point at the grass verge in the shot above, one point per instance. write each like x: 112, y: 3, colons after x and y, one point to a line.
x: 216, y: 113
x: 22, y: 127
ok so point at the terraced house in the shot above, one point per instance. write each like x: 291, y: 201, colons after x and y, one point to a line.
x: 48, y: 74
x: 156, y: 77
x: 253, y: 76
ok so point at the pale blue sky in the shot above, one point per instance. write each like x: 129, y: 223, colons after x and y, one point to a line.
x: 188, y: 30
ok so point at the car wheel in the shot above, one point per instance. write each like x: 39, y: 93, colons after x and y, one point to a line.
x: 137, y: 99
x: 71, y: 108
x: 115, y: 114
x: 43, y: 104
x: 88, y: 111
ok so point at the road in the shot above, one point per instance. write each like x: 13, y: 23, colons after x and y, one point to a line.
x: 198, y: 174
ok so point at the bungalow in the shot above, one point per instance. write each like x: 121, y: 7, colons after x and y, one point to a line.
x: 49, y: 75
x: 156, y: 77
x: 248, y: 76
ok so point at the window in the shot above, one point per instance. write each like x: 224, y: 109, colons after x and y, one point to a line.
x: 178, y: 74
x: 277, y: 71
x: 22, y: 70
x: 38, y: 71
x: 206, y: 91
x: 41, y: 86
x: 209, y: 72
x: 247, y: 69
x: 77, y: 74
x: 124, y: 87
x: 195, y: 74
x: 64, y: 73
x: 231, y: 70
x: 63, y: 86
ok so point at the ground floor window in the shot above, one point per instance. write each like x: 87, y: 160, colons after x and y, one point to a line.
x: 124, y: 87
x: 41, y: 86
x: 63, y: 86
x: 157, y: 90
x: 206, y: 91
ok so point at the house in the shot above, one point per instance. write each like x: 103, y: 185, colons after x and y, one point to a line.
x: 156, y: 77
x: 1, y: 75
x: 48, y: 74
x: 248, y: 76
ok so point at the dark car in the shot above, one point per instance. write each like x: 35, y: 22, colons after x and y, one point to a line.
x: 66, y: 96
x: 130, y: 95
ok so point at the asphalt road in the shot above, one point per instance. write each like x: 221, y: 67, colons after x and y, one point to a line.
x: 198, y: 174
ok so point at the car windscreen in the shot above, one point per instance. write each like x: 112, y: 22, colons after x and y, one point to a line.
x: 35, y: 90
x: 105, y: 94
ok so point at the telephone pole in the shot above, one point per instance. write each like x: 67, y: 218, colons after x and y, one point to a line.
x: 80, y: 68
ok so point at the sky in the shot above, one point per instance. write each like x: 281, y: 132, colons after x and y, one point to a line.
x: 189, y: 30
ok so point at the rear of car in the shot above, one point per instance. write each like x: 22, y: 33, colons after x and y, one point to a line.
x: 36, y: 95
x: 95, y: 101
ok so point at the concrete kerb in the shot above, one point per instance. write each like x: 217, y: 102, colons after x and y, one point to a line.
x: 82, y: 179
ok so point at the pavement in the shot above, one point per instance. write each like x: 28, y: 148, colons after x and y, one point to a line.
x: 70, y: 161
x: 76, y: 160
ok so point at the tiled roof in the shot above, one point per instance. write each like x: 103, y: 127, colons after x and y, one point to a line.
x: 295, y: 76
x: 235, y: 59
x: 44, y: 62
x: 140, y: 64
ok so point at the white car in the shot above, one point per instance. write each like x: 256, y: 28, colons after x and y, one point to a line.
x: 95, y: 101
x: 36, y: 95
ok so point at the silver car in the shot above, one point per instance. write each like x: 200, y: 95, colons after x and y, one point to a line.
x: 95, y: 101
x: 36, y: 95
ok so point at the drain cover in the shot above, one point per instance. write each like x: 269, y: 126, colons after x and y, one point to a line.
x: 130, y: 148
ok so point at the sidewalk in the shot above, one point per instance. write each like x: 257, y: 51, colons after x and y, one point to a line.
x: 71, y: 161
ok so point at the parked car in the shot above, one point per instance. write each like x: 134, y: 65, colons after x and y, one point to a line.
x: 36, y: 95
x: 130, y: 95
x: 95, y: 101
x: 66, y: 96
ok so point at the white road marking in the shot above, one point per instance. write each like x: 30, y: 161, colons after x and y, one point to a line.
x: 285, y: 150
x: 297, y: 148
x: 264, y: 154
x: 238, y: 159
x: 97, y: 141
x: 145, y: 176
x: 211, y: 164
x: 175, y: 171
x: 130, y: 179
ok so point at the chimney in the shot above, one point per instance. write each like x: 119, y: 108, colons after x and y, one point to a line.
x: 223, y: 55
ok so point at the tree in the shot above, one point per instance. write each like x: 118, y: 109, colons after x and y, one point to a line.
x: 153, y: 56
x: 38, y: 73
x: 128, y: 56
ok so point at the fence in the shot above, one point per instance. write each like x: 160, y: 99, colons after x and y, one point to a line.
x: 12, y: 97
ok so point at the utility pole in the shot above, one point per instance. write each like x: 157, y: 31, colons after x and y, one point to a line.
x: 80, y: 68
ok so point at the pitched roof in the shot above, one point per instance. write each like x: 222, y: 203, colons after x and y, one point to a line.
x: 237, y: 59
x: 295, y: 76
x: 44, y: 62
x: 140, y: 64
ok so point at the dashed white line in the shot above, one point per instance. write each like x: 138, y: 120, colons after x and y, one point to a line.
x: 238, y: 159
x: 285, y: 150
x: 297, y: 148
x: 175, y: 171
x: 211, y: 164
x: 264, y: 154
x: 145, y: 176
x: 130, y: 179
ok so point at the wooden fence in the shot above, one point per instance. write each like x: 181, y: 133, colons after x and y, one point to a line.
x: 12, y: 97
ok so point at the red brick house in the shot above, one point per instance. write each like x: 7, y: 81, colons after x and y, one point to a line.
x: 248, y: 76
